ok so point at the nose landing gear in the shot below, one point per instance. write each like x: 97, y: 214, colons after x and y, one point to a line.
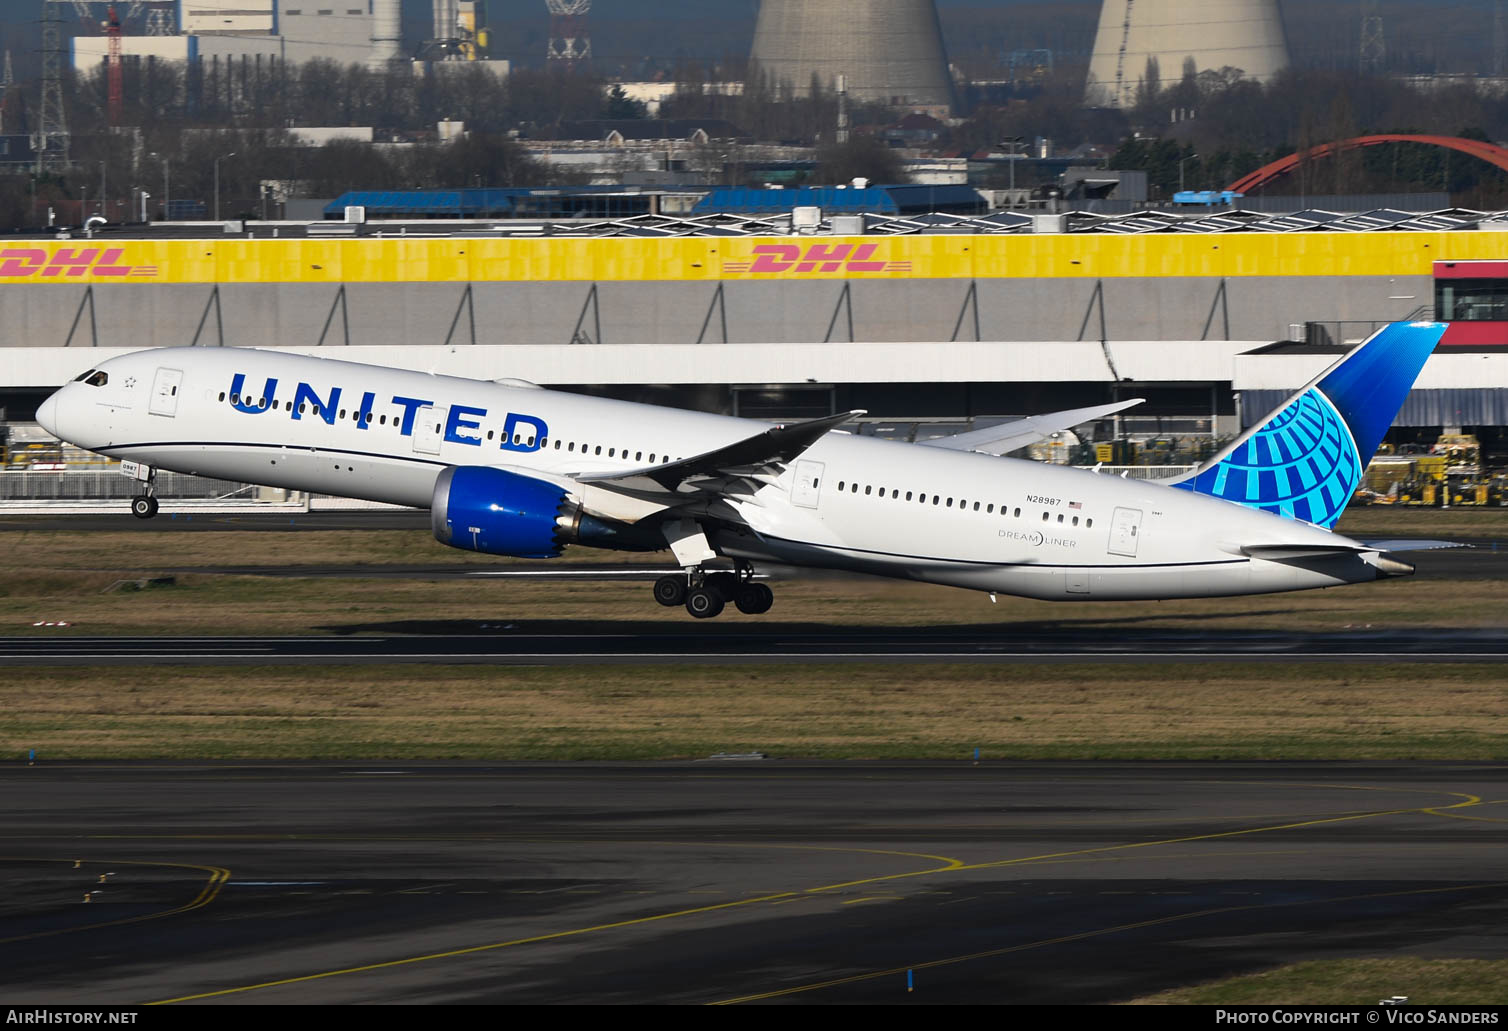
x: 705, y: 594
x: 143, y: 505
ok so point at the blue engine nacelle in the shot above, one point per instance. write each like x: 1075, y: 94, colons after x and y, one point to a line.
x: 478, y: 508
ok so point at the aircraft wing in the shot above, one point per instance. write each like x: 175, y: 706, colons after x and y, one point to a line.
x: 758, y: 458
x: 997, y: 440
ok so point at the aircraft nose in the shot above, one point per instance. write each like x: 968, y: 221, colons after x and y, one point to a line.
x: 47, y: 415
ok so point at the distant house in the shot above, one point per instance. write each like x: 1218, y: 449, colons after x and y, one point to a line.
x: 914, y: 130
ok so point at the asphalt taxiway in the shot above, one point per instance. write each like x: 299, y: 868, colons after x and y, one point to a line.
x: 577, y: 643
x: 733, y: 882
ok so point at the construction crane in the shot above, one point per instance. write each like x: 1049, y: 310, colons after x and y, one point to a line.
x: 7, y: 83
x: 117, y: 100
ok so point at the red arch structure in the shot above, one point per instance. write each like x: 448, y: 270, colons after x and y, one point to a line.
x: 1489, y: 152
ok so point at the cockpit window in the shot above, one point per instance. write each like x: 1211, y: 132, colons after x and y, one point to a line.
x: 98, y: 379
x: 83, y: 376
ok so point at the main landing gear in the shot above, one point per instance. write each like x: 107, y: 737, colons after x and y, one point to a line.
x: 706, y: 594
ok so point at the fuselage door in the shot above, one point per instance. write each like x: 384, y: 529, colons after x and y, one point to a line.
x: 808, y: 486
x: 165, y: 392
x: 1125, y: 528
x: 427, y: 424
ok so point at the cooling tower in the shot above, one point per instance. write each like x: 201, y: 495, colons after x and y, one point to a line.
x: 890, y: 50
x: 1244, y: 34
x: 387, y: 36
x: 446, y: 14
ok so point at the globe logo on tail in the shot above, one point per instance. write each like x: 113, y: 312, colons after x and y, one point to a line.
x: 1302, y: 464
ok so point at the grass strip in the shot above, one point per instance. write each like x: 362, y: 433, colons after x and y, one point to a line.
x: 1356, y: 982
x: 1010, y: 711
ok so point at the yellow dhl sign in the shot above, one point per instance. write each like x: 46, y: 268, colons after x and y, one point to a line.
x: 397, y: 260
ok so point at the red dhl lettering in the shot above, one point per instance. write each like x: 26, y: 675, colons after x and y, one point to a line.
x: 815, y: 257
x: 22, y: 262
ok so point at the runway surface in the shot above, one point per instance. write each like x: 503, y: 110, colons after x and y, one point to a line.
x: 753, y: 882
x: 576, y: 644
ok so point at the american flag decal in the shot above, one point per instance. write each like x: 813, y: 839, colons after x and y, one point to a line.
x: 1075, y: 504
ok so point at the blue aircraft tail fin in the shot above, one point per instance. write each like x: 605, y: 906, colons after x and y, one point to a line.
x: 1305, y: 460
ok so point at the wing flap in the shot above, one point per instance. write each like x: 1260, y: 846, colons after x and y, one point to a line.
x: 747, y: 459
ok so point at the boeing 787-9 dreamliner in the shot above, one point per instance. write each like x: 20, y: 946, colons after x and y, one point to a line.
x: 508, y: 468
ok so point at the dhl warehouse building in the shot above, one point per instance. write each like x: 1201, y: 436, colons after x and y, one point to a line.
x: 935, y: 320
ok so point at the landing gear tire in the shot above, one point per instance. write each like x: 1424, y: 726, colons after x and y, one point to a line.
x: 670, y: 590
x: 704, y: 602
x: 752, y: 598
x: 143, y: 506
x: 725, y: 584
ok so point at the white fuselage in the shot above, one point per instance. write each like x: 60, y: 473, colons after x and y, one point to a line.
x: 849, y: 502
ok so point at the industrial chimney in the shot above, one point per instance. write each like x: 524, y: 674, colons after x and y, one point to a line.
x: 386, y: 33
x: 1244, y: 34
x: 889, y: 51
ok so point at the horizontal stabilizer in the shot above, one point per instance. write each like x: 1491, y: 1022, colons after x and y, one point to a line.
x: 776, y: 445
x: 997, y: 440
x: 1412, y: 545
x: 1279, y: 552
x: 1377, y: 557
